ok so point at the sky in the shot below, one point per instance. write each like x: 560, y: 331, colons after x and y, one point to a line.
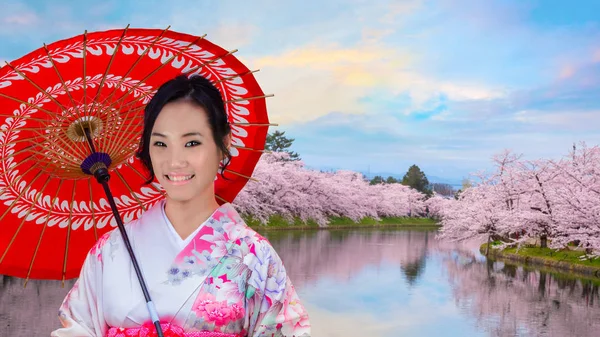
x: 376, y: 86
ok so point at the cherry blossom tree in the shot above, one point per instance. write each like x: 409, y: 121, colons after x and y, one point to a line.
x: 538, y: 217
x: 579, y: 203
x: 289, y: 189
x: 523, y: 201
x: 479, y: 213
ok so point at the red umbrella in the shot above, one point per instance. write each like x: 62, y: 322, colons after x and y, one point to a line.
x: 96, y: 85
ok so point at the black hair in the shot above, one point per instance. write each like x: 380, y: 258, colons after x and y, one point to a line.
x: 197, y: 90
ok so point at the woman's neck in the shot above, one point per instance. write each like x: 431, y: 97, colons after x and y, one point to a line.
x: 187, y: 216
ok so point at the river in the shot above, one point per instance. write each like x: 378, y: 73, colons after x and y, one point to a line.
x: 388, y: 282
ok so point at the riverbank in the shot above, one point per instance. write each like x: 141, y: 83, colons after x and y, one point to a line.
x: 566, y: 261
x: 277, y: 222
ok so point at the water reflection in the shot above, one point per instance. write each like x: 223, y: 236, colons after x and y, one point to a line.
x: 406, y: 283
x: 513, y: 301
x: 385, y: 283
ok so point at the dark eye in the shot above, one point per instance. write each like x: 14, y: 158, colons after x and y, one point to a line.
x: 159, y: 144
x: 192, y: 143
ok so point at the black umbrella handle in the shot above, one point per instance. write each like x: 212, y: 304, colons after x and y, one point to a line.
x: 96, y: 164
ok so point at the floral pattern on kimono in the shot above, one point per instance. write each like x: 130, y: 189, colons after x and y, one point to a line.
x: 228, y: 279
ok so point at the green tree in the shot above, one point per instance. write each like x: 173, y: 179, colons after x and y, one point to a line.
x: 278, y: 142
x: 416, y: 179
x: 379, y: 180
x: 376, y: 180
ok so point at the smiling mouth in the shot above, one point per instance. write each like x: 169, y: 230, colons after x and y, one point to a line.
x: 179, y: 178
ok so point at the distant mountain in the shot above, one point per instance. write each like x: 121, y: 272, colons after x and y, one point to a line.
x: 454, y: 182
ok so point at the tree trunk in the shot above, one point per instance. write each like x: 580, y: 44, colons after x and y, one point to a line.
x: 544, y: 241
x: 487, y: 249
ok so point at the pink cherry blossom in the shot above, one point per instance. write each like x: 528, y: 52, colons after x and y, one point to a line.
x: 555, y: 203
x: 289, y: 189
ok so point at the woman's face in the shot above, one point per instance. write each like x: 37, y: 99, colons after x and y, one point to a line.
x: 183, y: 153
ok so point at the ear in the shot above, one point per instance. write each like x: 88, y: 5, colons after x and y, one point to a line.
x: 227, y: 142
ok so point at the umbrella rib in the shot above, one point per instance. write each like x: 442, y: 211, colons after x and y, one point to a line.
x: 231, y: 52
x: 118, y: 100
x: 43, y: 231
x: 130, y: 190
x: 40, y: 120
x: 60, y: 137
x: 92, y: 209
x: 75, y: 107
x: 116, y: 89
x: 52, y: 114
x: 255, y: 124
x: 43, y: 137
x: 68, y: 239
x: 118, y: 142
x: 37, y: 86
x: 3, y: 174
x: 241, y: 175
x: 22, y: 150
x: 84, y: 56
x: 143, y: 94
x: 112, y: 58
x: 15, y: 153
x: 220, y: 198
x: 37, y: 197
x: 9, y: 209
x: 66, y: 143
x: 32, y: 151
x: 248, y: 98
x: 144, y: 178
x: 236, y: 76
x: 250, y: 149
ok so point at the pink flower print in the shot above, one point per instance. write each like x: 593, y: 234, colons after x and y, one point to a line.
x: 293, y: 315
x: 237, y: 311
x: 217, y: 312
x: 202, y: 301
x: 235, y: 231
x: 96, y: 250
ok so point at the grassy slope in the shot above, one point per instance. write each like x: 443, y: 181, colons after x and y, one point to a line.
x: 565, y: 261
x: 278, y: 222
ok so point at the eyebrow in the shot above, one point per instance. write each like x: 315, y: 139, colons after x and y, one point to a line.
x: 185, y: 135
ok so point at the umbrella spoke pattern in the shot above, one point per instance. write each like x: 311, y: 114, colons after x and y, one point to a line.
x: 51, y: 212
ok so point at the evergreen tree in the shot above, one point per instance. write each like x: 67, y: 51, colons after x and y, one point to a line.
x: 416, y: 179
x: 278, y: 142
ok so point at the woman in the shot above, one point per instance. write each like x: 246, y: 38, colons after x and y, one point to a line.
x: 207, y: 272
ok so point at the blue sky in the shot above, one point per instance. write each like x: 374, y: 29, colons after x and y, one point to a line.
x: 382, y: 85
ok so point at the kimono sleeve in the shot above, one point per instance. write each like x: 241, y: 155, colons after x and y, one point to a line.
x: 274, y: 308
x: 81, y: 311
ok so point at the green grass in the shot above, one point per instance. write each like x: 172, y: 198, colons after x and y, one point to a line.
x: 278, y: 222
x: 564, y: 255
x: 570, y: 256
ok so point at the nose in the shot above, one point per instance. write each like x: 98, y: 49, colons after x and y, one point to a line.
x: 178, y: 159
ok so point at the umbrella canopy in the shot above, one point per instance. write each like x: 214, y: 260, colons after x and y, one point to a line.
x: 51, y: 211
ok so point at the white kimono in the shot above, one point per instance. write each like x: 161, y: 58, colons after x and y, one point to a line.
x: 224, y: 280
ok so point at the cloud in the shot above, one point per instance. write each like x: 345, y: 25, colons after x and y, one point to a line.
x: 234, y: 36
x: 16, y: 16
x: 313, y: 81
x: 22, y: 19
